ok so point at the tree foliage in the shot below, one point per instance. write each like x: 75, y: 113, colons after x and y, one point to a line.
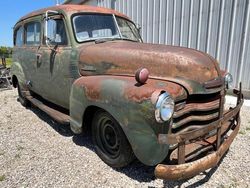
x: 5, y: 51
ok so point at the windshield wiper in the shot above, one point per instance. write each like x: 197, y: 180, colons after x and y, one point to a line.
x: 102, y: 40
x: 129, y: 39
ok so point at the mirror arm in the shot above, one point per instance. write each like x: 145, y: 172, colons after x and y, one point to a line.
x: 46, y: 28
x: 52, y: 49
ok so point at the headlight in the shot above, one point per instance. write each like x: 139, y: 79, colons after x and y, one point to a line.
x: 228, y: 80
x: 164, y: 108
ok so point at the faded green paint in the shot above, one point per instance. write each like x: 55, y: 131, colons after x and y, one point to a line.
x: 19, y: 72
x: 52, y: 75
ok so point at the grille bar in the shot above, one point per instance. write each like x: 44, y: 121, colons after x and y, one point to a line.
x: 197, y: 110
x: 195, y: 118
x: 198, y: 107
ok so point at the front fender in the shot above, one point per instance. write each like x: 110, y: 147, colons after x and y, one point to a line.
x: 130, y: 104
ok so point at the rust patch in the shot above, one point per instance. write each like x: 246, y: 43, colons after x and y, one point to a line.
x: 91, y: 86
x: 161, y: 60
x: 138, y: 93
x: 132, y: 90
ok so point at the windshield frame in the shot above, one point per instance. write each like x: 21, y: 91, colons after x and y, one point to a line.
x: 114, y: 16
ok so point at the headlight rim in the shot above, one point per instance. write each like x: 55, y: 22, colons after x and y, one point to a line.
x: 160, y: 101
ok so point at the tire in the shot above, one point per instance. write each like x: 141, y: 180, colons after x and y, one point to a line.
x: 21, y: 98
x: 110, y: 141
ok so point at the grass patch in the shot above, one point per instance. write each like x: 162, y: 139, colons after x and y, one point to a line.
x: 2, y: 177
x: 248, y: 128
x: 8, y: 62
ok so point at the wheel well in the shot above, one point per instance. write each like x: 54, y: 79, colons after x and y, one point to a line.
x: 14, y: 81
x: 88, y: 117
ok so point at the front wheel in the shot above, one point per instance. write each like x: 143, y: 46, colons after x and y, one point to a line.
x: 110, y: 142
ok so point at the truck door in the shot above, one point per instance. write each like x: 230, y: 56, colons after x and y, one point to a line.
x: 54, y: 64
x: 32, y: 42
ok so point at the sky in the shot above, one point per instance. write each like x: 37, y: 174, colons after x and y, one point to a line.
x: 11, y: 11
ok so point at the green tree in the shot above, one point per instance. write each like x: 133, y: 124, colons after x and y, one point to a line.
x: 5, y: 51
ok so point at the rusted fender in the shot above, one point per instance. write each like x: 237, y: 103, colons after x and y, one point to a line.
x: 131, y: 105
x: 188, y: 67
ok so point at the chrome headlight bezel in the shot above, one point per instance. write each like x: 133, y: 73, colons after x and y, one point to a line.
x: 164, y: 108
x: 228, y: 80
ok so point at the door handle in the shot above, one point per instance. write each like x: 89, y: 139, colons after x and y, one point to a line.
x: 38, y: 56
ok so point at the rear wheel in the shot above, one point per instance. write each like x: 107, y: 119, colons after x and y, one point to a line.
x: 21, y: 97
x: 110, y: 142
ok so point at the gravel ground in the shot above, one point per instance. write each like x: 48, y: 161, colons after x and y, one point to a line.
x: 37, y: 152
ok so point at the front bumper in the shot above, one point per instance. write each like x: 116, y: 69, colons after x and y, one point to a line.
x: 228, y: 123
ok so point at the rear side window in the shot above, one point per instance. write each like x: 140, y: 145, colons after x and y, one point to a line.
x: 18, y: 41
x: 33, y: 33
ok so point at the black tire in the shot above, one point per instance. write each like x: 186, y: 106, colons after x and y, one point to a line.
x: 110, y: 141
x: 21, y: 98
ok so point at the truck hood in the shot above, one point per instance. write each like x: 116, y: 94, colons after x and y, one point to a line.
x: 187, y: 67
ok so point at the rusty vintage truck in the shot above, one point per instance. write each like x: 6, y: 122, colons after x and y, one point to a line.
x: 164, y: 105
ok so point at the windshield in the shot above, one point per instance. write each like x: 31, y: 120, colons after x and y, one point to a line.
x: 88, y: 27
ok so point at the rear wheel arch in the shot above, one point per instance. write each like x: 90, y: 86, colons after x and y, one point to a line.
x: 21, y: 97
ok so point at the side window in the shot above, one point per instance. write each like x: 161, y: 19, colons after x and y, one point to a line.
x: 33, y: 33
x: 56, y: 32
x: 18, y: 39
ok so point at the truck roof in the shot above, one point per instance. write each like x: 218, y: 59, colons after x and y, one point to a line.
x: 74, y: 9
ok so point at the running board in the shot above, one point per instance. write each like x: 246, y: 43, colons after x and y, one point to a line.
x: 60, y: 117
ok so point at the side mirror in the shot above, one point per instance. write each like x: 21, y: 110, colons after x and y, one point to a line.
x: 46, y: 35
x: 138, y: 28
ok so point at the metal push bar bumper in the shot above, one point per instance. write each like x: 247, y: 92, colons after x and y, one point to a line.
x: 186, y: 170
